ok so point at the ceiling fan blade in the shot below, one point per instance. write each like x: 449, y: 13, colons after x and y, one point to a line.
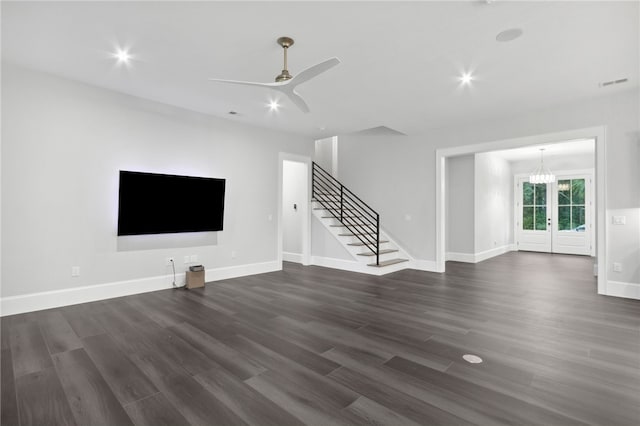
x: 247, y: 83
x: 313, y: 71
x: 297, y: 100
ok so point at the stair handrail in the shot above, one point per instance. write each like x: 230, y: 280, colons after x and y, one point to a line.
x: 325, y: 188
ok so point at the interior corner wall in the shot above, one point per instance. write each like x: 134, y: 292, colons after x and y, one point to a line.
x: 460, y: 236
x: 396, y: 175
x: 493, y: 204
x: 326, y: 155
x: 63, y: 144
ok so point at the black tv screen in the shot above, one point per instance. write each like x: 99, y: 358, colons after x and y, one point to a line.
x: 151, y: 203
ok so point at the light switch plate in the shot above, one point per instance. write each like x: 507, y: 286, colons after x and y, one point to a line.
x: 619, y: 220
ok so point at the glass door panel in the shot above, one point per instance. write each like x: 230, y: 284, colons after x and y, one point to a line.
x: 571, y: 230
x: 534, y: 217
x: 571, y: 205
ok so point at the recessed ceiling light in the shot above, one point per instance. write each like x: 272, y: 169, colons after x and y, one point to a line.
x: 510, y: 34
x: 122, y: 56
x: 466, y: 78
x: 274, y: 105
x: 233, y: 112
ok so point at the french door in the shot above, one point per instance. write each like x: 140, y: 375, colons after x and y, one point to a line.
x: 555, y: 217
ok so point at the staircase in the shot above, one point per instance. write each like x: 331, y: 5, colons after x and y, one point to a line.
x: 354, y: 224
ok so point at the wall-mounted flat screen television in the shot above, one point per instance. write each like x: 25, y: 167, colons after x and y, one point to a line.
x: 151, y: 203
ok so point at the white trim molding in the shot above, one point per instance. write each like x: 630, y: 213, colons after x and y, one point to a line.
x: 356, y: 266
x: 479, y: 257
x: 292, y: 257
x: 72, y: 296
x: 626, y: 290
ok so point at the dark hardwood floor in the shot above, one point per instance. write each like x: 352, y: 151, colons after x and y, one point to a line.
x: 310, y: 345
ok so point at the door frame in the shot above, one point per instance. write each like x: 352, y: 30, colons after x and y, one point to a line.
x: 597, y: 133
x: 306, y: 219
x: 592, y: 211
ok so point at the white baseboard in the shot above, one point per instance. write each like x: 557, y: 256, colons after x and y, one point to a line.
x: 622, y: 289
x: 72, y: 296
x: 479, y: 257
x: 424, y: 265
x: 460, y: 257
x: 497, y: 251
x: 355, y: 266
x: 292, y: 257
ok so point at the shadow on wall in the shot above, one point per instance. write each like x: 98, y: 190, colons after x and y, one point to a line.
x: 164, y: 241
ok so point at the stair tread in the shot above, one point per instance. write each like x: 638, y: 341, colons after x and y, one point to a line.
x: 333, y: 217
x: 385, y: 251
x: 360, y: 243
x: 350, y: 234
x: 388, y: 262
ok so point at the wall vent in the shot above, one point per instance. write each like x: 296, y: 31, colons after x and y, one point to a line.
x: 612, y: 82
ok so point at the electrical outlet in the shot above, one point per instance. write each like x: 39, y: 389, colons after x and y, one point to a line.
x: 168, y: 261
x: 617, y: 267
x: 270, y: 217
x: 233, y: 254
x: 75, y: 271
x: 186, y: 259
x: 194, y: 258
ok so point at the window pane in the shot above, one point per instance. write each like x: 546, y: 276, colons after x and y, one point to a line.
x: 541, y: 217
x: 527, y: 218
x: 564, y: 218
x: 564, y: 192
x: 541, y: 194
x: 577, y: 191
x: 578, y: 219
x: 527, y: 194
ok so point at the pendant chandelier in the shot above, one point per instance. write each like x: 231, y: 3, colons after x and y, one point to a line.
x: 542, y: 174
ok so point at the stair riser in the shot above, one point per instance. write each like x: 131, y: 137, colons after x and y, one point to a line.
x: 335, y: 204
x: 348, y: 240
x: 383, y: 257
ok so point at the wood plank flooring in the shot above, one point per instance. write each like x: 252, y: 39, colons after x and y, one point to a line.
x: 310, y: 345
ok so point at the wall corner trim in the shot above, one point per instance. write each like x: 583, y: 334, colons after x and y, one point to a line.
x: 72, y: 296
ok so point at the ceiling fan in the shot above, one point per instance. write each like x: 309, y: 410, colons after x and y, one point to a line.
x: 287, y: 83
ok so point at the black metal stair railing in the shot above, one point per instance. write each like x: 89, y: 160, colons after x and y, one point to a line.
x: 353, y: 213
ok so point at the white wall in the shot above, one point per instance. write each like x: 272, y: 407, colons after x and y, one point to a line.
x: 326, y: 155
x: 294, y: 192
x: 397, y: 174
x: 493, y: 203
x: 460, y: 205
x: 326, y: 245
x: 63, y: 145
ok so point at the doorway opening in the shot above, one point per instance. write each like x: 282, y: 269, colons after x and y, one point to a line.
x: 294, y: 224
x: 597, y: 244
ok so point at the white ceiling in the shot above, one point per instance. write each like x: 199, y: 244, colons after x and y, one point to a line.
x: 559, y: 149
x: 400, y: 60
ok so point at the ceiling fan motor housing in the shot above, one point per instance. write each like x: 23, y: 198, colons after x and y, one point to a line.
x: 283, y: 76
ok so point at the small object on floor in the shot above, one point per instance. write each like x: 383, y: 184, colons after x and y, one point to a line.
x: 473, y: 359
x: 195, y: 277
